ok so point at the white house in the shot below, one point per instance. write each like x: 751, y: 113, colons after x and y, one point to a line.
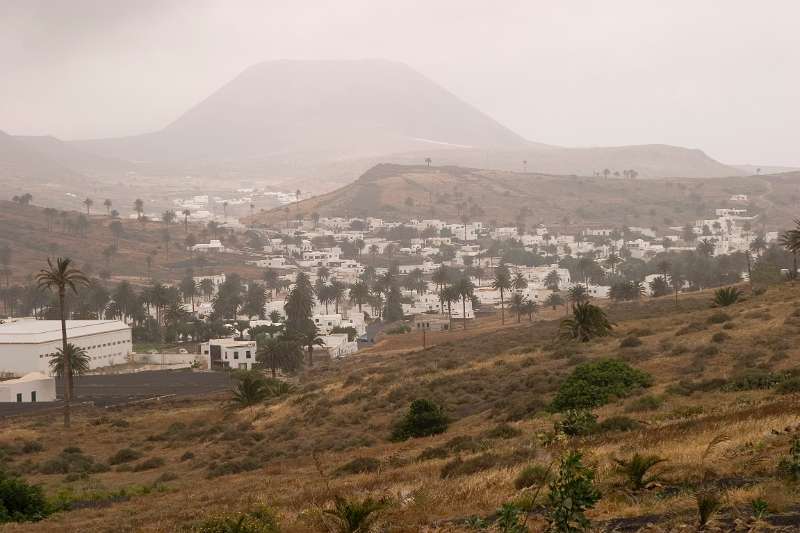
x: 229, y: 353
x: 26, y: 345
x: 337, y: 345
x: 30, y: 388
x: 214, y: 245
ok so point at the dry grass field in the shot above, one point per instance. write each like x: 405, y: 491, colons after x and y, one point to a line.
x: 720, y: 411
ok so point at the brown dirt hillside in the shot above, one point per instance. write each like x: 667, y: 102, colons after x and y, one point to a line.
x: 398, y: 192
x: 718, y: 375
x: 32, y: 238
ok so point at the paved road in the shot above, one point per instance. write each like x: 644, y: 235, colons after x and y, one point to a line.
x: 116, y: 389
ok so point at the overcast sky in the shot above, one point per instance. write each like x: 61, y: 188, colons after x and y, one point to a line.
x: 720, y: 75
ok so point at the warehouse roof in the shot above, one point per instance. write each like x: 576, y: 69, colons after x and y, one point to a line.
x: 38, y: 331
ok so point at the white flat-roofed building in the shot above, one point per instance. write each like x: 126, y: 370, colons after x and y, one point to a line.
x: 229, y: 353
x: 30, y: 388
x: 26, y: 345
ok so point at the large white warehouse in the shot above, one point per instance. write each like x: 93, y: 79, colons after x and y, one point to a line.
x: 26, y: 345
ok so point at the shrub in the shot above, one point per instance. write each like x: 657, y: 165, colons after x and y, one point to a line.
x: 691, y: 327
x: 232, y: 467
x: 618, y: 423
x: 789, y: 386
x: 187, y: 456
x: 708, y: 503
x: 630, y: 342
x: 398, y: 330
x: 576, y: 422
x: 645, y: 403
x: 503, y: 431
x: 424, y: 418
x: 532, y: 476
x: 760, y: 508
x: 359, y: 465
x: 572, y: 493
x: 125, y: 455
x: 459, y: 467
x: 789, y: 466
x: 19, y: 501
x: 707, y: 351
x: 718, y: 318
x: 31, y: 446
x: 727, y: 296
x: 720, y: 336
x: 166, y: 477
x: 597, y: 383
x: 261, y: 520
x: 752, y: 380
x: 251, y: 388
x: 71, y: 461
x: 728, y: 325
x: 353, y: 516
x: 636, y: 469
x: 149, y: 464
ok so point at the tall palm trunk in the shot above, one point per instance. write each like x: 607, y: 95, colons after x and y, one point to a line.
x: 464, y: 310
x: 67, y: 364
x: 310, y: 355
x: 502, y: 309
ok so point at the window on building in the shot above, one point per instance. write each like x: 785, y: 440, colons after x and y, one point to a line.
x: 247, y: 354
x: 236, y: 355
x: 33, y: 396
x: 19, y: 397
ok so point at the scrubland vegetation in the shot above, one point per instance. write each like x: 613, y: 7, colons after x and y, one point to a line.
x: 518, y: 429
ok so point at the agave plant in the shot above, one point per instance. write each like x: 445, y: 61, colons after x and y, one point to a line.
x: 636, y: 469
x: 726, y: 296
x: 587, y: 321
x: 353, y: 516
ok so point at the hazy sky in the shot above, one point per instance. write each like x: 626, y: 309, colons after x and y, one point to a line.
x: 720, y: 75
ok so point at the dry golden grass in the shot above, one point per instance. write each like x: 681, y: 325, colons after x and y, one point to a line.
x: 484, y: 376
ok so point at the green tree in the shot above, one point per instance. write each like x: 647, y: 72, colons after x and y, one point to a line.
x: 502, y: 283
x: 78, y: 362
x: 465, y: 290
x: 299, y: 303
x: 572, y: 493
x: 424, y: 418
x: 60, y: 278
x: 250, y: 388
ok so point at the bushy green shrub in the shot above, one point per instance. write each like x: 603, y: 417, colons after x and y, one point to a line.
x: 597, y: 383
x: 72, y: 461
x: 503, y: 431
x: 576, y: 422
x: 19, y: 501
x: 789, y: 466
x: 691, y: 327
x: 532, y: 476
x: 727, y: 296
x: 232, y: 467
x: 424, y: 418
x: 572, y: 493
x: 789, y: 386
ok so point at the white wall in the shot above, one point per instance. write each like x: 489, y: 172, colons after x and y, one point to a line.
x: 104, y: 349
x: 45, y: 390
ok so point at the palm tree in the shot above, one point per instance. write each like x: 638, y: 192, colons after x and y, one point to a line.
x: 88, y: 202
x: 587, y: 321
x: 138, y: 206
x: 517, y: 302
x: 186, y: 214
x: 519, y: 282
x: 448, y: 295
x: 353, y: 516
x: 502, y: 283
x: 359, y: 293
x: 428, y: 161
x: 309, y: 337
x: 554, y: 300
x: 107, y: 204
x: 551, y: 280
x: 78, y: 362
x: 250, y: 389
x: 529, y: 308
x: 578, y: 294
x: 464, y: 289
x: 726, y: 296
x: 59, y: 278
x: 373, y: 252
x: 168, y: 217
x: 791, y: 241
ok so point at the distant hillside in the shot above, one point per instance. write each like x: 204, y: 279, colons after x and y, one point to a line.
x: 68, y: 156
x: 398, y: 192
x: 19, y: 160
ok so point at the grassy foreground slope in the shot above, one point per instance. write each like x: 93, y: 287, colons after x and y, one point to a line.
x: 722, y: 410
